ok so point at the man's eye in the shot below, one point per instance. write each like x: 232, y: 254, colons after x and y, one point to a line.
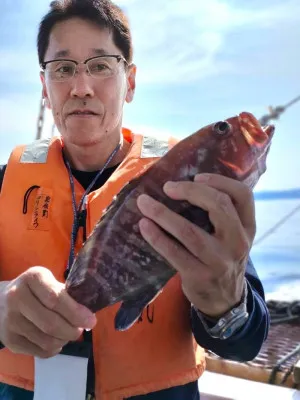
x: 65, y: 69
x: 100, y: 67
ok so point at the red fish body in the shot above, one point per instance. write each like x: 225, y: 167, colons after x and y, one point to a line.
x: 116, y: 263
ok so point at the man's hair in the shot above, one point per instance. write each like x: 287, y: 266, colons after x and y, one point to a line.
x: 103, y: 13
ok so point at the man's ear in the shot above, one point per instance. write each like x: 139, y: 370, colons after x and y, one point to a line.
x: 131, y: 74
x: 44, y: 91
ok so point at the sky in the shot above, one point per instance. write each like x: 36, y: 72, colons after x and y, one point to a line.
x: 198, y: 62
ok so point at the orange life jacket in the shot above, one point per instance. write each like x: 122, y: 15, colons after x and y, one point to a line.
x: 156, y: 353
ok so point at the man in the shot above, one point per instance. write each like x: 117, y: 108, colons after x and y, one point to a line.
x: 52, y: 195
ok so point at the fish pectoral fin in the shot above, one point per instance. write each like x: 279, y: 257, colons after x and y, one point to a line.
x: 130, y: 310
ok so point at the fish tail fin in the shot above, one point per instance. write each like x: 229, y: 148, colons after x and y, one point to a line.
x: 131, y: 309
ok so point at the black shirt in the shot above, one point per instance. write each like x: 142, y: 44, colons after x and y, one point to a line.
x: 86, y: 177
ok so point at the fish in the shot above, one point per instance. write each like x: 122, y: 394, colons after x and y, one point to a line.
x: 115, y: 263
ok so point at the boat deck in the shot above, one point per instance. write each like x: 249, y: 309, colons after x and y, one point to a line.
x: 215, y: 386
x: 282, y: 343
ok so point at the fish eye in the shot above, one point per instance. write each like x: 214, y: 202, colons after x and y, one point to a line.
x: 222, y: 128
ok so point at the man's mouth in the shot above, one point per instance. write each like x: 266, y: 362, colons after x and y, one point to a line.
x: 83, y: 112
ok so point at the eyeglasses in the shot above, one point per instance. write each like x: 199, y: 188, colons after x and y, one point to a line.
x: 98, y: 67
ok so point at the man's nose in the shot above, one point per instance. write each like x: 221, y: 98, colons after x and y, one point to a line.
x: 82, y: 84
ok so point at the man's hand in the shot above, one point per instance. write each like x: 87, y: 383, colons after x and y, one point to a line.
x: 212, y: 267
x: 37, y: 316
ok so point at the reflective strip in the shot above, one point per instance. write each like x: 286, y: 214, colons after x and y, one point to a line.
x: 36, y: 152
x: 153, y: 147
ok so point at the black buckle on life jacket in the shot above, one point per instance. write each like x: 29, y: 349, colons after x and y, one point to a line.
x: 77, y: 349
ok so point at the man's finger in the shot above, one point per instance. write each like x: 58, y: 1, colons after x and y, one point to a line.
x: 222, y: 213
x: 53, y: 296
x: 23, y: 326
x: 183, y: 261
x: 20, y: 344
x: 200, y: 243
x: 49, y: 322
x: 241, y: 195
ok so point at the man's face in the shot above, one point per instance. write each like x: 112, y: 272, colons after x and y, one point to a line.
x: 79, y: 40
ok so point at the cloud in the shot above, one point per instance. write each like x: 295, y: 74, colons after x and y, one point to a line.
x: 16, y: 115
x: 19, y: 123
x: 182, y: 41
x: 284, y: 292
x: 145, y: 130
x: 25, y: 73
x: 175, y: 42
x: 270, y: 212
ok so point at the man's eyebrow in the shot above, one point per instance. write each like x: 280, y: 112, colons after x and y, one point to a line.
x: 61, y: 53
x: 66, y: 53
x: 99, y: 52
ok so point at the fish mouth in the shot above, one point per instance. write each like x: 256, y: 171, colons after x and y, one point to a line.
x: 252, y: 130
